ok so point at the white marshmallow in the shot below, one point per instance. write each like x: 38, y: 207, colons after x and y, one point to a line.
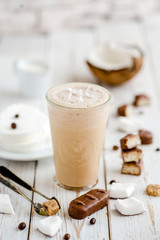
x: 129, y: 124
x: 121, y: 190
x: 129, y: 206
x: 31, y: 132
x: 49, y: 225
x: 5, y: 204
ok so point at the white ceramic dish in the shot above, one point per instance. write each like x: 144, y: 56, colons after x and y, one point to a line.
x: 31, y: 156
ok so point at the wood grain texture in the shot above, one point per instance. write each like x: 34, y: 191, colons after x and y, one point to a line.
x: 66, y: 51
x: 129, y: 227
x: 69, y: 66
x: 9, y: 223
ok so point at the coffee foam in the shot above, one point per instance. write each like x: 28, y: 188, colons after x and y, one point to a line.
x: 78, y: 95
x: 78, y: 118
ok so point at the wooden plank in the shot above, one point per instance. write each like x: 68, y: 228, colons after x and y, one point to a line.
x: 9, y: 223
x: 66, y: 51
x: 68, y: 61
x: 151, y: 34
x: 79, y: 229
x: 144, y: 226
x: 12, y: 49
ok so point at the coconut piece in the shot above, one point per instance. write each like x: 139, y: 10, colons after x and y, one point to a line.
x: 5, y: 204
x: 121, y: 190
x: 129, y: 124
x: 49, y: 225
x: 129, y: 206
x: 115, y: 63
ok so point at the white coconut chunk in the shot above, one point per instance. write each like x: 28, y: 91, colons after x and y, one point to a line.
x: 49, y: 225
x: 129, y: 124
x: 121, y: 190
x: 5, y: 204
x: 113, y: 56
x: 130, y: 206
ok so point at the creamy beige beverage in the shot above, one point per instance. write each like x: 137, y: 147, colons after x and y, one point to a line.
x: 78, y: 115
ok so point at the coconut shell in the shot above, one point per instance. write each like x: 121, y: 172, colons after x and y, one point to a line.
x: 117, y: 77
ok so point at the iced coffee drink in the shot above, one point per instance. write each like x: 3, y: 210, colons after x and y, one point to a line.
x: 78, y: 115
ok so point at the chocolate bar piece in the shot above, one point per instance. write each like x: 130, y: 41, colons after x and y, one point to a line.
x: 141, y: 100
x: 124, y: 110
x: 132, y: 168
x: 130, y: 141
x: 133, y: 155
x: 145, y: 136
x: 88, y: 203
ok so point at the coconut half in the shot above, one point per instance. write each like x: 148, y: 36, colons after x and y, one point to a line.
x: 115, y: 63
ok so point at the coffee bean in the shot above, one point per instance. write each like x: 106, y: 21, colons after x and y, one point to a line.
x: 115, y: 148
x: 13, y: 125
x: 67, y: 236
x: 140, y: 112
x: 21, y: 226
x: 92, y: 221
x: 112, y: 181
x: 157, y: 149
x: 16, y: 115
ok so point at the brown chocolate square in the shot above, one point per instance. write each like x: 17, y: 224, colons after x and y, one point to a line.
x: 133, y: 155
x: 130, y: 141
x: 124, y: 110
x: 145, y: 136
x: 141, y: 100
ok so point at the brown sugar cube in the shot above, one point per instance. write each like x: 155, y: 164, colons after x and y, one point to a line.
x: 132, y: 168
x: 141, y: 100
x: 133, y: 155
x: 52, y: 207
x: 124, y: 110
x: 130, y: 141
x: 146, y: 137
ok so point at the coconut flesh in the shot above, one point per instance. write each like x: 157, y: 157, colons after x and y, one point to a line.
x: 113, y: 56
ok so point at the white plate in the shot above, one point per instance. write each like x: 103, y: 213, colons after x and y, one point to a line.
x: 31, y: 156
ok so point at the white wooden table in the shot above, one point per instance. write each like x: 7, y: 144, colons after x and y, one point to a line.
x: 65, y: 51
